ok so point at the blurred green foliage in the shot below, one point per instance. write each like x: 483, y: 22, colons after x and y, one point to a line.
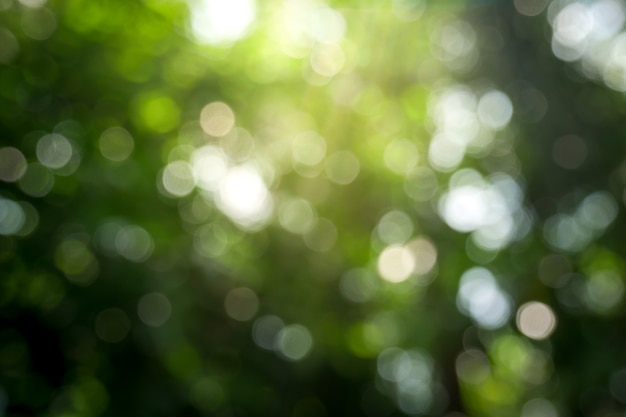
x: 303, y: 208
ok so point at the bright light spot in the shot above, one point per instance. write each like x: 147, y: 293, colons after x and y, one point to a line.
x: 395, y: 227
x: 222, y: 22
x: 342, y: 167
x: 154, y: 309
x: 326, y: 25
x: 265, y: 330
x: 465, y: 208
x: 12, y: 217
x: 536, y: 320
x: 396, y: 263
x: 294, y: 342
x: 241, y: 304
x: 112, y: 325
x: 178, y: 179
x: 401, y: 156
x: 217, y: 119
x: 424, y: 253
x: 210, y: 166
x: 12, y: 164
x: 134, y: 243
x: 297, y: 216
x: 495, y: 109
x: 608, y: 18
x: 481, y: 298
x: 54, y: 151
x: 573, y: 24
x: 322, y: 237
x: 116, y: 144
x: 244, y: 197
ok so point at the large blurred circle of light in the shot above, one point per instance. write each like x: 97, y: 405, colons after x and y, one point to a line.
x: 481, y: 298
x: 603, y: 291
x: 401, y: 156
x: 12, y: 164
x: 396, y: 263
x: 178, y: 178
x: 211, y: 240
x: 12, y: 217
x: 327, y: 59
x: 495, y: 109
x: 342, y: 167
x: 536, y: 320
x: 154, y: 309
x: 539, y: 407
x: 358, y: 285
x: 54, y: 150
x: 326, y: 25
x: 530, y: 7
x: 294, y: 342
x: 297, y: 215
x: 116, y: 144
x: 465, y: 208
x: 573, y: 24
x: 217, y: 118
x: 393, y: 364
x: 112, y: 325
x: 472, y: 366
x: 608, y: 18
x: 220, y: 22
x: 414, y: 396
x: 38, y: 24
x: 134, y: 243
x: 244, y: 197
x: 31, y: 219
x: 9, y: 46
x: 598, y: 210
x: 308, y: 148
x: 421, y: 184
x: 210, y: 166
x: 265, y: 329
x: 322, y: 236
x: 445, y: 154
x: 425, y: 255
x: 76, y: 261
x: 241, y: 303
x: 395, y: 227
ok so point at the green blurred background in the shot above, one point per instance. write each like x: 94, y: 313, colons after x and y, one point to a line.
x: 310, y: 209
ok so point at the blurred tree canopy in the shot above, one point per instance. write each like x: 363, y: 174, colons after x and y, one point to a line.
x: 308, y: 208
